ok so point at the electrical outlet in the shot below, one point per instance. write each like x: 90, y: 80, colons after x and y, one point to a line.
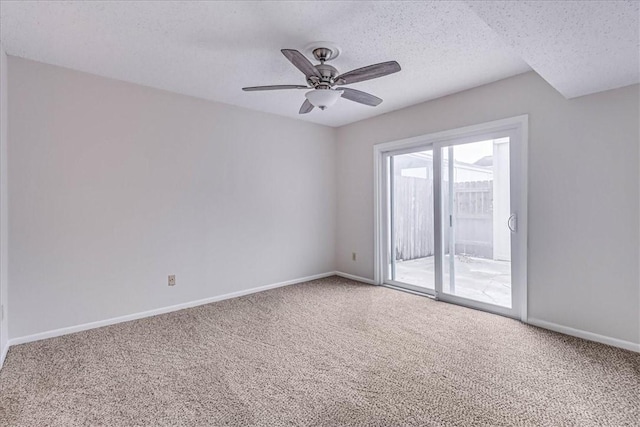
x: 172, y: 280
x: 353, y: 256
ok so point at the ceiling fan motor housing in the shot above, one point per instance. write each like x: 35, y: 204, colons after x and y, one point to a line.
x: 327, y: 76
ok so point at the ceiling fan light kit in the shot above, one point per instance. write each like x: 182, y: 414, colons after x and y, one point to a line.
x: 323, y: 98
x: 322, y: 78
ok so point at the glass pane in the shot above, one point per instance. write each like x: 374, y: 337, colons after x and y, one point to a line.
x: 476, y: 208
x: 413, y: 228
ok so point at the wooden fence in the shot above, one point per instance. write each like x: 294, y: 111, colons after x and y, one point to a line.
x: 413, y: 218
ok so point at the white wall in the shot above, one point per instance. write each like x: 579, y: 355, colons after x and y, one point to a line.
x: 583, y: 194
x: 4, y: 336
x: 113, y: 186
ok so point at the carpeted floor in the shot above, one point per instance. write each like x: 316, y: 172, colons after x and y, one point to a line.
x: 330, y: 352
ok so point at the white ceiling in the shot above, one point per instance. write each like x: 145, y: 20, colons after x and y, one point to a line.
x: 579, y: 47
x: 212, y: 49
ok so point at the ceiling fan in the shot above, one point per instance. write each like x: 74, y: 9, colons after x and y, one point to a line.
x: 322, y: 79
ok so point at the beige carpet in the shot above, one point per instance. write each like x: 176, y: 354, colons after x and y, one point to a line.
x: 330, y: 352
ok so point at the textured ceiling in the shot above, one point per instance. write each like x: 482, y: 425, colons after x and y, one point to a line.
x: 579, y: 47
x: 212, y: 49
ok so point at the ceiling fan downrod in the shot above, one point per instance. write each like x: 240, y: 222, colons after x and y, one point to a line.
x: 323, y: 54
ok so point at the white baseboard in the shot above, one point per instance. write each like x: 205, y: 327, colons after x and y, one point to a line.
x: 3, y: 354
x: 100, y: 323
x: 627, y: 345
x: 354, y: 277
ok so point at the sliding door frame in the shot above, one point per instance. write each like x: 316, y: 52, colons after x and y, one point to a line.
x: 389, y: 268
x: 517, y: 128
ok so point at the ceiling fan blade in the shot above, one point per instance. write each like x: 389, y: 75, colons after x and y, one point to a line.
x: 301, y: 62
x: 275, y: 87
x: 368, y: 73
x: 306, y: 107
x: 359, y: 96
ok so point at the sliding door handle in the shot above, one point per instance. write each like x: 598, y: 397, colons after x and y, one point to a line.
x: 512, y: 222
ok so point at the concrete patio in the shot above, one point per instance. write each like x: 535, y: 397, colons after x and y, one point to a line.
x: 478, y: 279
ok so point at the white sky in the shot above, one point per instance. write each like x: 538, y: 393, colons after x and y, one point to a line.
x: 468, y: 153
x: 471, y: 153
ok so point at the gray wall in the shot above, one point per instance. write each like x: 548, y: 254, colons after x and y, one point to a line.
x: 113, y: 186
x: 583, y: 194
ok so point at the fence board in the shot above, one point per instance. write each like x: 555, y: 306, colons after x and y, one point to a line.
x: 413, y: 217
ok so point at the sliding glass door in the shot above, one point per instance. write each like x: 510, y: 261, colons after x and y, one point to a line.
x: 476, y: 216
x: 450, y: 221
